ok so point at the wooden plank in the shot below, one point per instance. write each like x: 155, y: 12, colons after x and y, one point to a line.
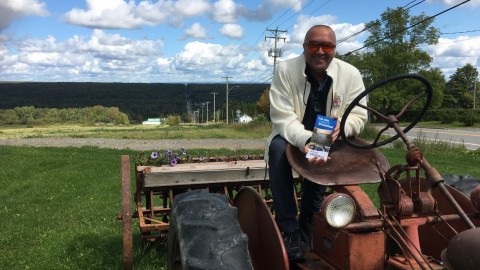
x: 205, y: 173
x: 203, y: 166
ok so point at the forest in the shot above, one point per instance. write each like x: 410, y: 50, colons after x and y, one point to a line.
x: 138, y: 100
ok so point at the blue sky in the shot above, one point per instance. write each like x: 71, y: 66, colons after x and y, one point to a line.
x: 190, y: 41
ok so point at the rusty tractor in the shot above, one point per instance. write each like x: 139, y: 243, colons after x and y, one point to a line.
x: 218, y: 215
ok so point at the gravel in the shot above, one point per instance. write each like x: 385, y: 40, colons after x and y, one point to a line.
x: 141, y: 145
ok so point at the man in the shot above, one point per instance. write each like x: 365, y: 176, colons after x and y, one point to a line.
x: 303, y: 87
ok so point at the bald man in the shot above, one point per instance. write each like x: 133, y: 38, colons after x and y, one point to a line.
x: 314, y: 83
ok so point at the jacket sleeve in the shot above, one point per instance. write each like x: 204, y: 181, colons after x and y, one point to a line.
x: 286, y: 109
x: 358, y: 116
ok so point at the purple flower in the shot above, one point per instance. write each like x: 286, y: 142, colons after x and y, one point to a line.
x: 154, y: 155
x: 184, y: 152
x: 169, y: 153
x: 202, y: 158
x: 245, y: 157
x: 173, y: 162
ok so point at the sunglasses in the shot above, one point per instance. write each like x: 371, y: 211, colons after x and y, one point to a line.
x: 313, y: 47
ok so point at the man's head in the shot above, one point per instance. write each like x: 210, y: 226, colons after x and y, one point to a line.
x: 319, y: 47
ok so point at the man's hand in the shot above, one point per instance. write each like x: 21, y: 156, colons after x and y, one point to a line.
x: 315, y: 160
x: 321, y: 161
x: 336, y: 131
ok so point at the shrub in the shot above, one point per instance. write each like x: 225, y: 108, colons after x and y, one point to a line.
x: 469, y: 118
x: 173, y: 120
x: 43, y: 116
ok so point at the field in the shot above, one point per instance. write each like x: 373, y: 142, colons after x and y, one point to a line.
x: 59, y: 204
x: 140, y: 132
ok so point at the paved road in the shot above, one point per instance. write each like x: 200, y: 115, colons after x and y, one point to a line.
x: 469, y: 137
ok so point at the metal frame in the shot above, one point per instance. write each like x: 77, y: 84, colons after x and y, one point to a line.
x: 155, y: 188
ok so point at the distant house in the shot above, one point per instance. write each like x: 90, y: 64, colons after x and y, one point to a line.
x: 152, y: 121
x: 244, y: 119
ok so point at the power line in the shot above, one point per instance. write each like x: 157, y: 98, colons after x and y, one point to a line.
x: 406, y: 28
x: 461, y: 32
x: 284, y: 13
x: 296, y: 13
x: 389, y: 17
x: 453, y: 41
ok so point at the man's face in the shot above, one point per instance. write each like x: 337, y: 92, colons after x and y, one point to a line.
x: 319, y: 48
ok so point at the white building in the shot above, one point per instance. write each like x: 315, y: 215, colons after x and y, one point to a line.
x: 244, y: 119
x: 152, y: 121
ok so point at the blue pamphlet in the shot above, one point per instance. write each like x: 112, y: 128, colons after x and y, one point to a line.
x: 321, y: 140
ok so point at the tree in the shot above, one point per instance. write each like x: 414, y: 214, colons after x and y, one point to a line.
x: 459, y: 90
x: 263, y: 103
x: 393, y: 50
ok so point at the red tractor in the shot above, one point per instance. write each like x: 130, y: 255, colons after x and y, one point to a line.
x: 218, y: 215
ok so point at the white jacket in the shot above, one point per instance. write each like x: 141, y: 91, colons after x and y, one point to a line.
x: 289, y: 94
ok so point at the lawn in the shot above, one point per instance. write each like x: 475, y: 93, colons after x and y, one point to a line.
x: 58, y: 208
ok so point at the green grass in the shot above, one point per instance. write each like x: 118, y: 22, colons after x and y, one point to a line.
x: 141, y: 132
x: 59, y: 206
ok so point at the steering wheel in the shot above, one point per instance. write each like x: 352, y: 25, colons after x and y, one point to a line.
x: 390, y: 119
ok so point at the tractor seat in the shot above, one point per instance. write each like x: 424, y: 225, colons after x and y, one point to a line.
x: 348, y: 166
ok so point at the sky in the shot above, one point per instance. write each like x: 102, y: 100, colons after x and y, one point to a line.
x: 201, y: 41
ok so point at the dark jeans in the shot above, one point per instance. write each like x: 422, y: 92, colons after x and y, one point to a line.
x: 284, y: 205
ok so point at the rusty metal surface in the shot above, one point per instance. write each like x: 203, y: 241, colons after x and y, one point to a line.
x: 348, y: 165
x: 313, y: 261
x: 345, y: 250
x: 126, y: 214
x: 434, y: 237
x: 462, y: 251
x: 265, y: 243
x: 475, y: 197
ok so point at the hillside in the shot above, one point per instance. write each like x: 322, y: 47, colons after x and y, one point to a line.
x: 138, y: 100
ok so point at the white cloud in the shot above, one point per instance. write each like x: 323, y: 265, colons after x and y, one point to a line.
x: 14, y: 9
x: 261, y: 13
x: 105, y: 14
x: 225, y: 11
x: 215, y: 59
x: 234, y: 31
x: 451, y: 54
x: 306, y: 22
x: 471, y: 3
x: 190, y: 8
x: 102, y: 56
x: 118, y: 14
x: 195, y: 31
x: 99, y: 57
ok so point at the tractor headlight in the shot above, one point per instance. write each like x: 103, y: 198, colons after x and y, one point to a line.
x: 338, y: 209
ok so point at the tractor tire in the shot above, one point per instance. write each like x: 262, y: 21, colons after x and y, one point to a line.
x: 204, y: 233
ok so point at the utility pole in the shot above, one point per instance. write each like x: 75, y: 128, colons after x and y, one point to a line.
x: 474, y: 91
x: 203, y: 105
x: 207, y: 110
x: 275, y: 52
x: 214, y: 112
x: 226, y: 92
x: 189, y: 107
